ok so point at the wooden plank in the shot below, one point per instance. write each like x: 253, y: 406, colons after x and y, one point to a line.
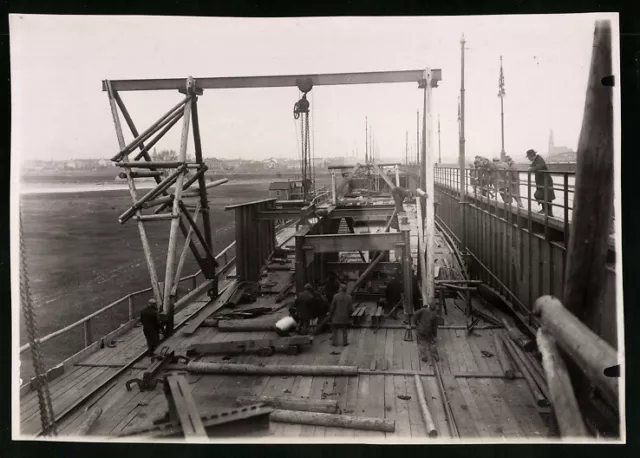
x: 507, y: 422
x: 329, y: 387
x: 465, y: 423
x: 340, y: 389
x: 415, y: 415
x: 466, y: 351
x: 388, y: 348
x: 522, y: 406
x: 475, y: 412
x: 403, y: 422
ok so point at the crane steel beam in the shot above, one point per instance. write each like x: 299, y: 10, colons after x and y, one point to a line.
x: 333, y: 243
x: 239, y: 82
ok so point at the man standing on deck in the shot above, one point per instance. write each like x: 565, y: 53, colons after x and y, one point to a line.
x: 426, y: 320
x: 340, y: 314
x: 514, y: 180
x: 303, y: 305
x: 151, y: 325
x: 332, y: 287
x: 399, y: 195
x: 544, y: 183
x: 393, y: 294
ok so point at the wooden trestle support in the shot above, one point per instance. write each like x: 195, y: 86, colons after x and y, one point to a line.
x: 168, y: 204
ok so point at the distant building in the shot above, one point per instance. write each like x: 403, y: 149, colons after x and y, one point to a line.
x: 286, y: 190
x: 270, y: 163
x: 555, y: 150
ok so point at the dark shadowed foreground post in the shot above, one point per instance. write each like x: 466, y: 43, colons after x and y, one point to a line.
x: 593, y: 204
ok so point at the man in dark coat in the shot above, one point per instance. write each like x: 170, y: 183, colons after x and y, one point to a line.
x: 393, y: 294
x: 151, y: 325
x: 544, y: 183
x: 427, y: 331
x: 341, y: 315
x: 303, y: 305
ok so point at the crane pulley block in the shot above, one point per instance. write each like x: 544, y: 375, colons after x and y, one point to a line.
x: 301, y: 106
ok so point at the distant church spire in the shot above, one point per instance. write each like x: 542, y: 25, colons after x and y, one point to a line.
x: 551, y: 143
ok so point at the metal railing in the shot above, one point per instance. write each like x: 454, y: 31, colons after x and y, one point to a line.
x: 517, y: 250
x: 226, y: 258
x: 223, y: 258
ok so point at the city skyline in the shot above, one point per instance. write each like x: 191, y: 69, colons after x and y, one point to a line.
x: 56, y: 82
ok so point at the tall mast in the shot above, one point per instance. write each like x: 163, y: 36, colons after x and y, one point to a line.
x: 366, y: 139
x: 439, y: 149
x: 501, y: 94
x: 406, y: 148
x: 463, y: 190
x: 417, y: 135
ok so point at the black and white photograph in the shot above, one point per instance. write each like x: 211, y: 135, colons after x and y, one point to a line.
x: 385, y: 230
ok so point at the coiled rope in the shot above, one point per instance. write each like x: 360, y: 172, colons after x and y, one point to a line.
x: 47, y: 418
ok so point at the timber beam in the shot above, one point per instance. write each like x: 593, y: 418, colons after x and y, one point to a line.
x: 333, y: 243
x: 239, y: 82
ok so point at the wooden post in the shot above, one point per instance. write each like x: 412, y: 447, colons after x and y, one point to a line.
x: 429, y: 225
x: 507, y: 368
x: 333, y: 420
x: 593, y: 201
x: 130, y: 300
x: 88, y: 340
x: 426, y: 415
x: 132, y: 192
x: 588, y: 350
x: 183, y: 255
x: 333, y: 188
x: 565, y: 405
x: 168, y: 302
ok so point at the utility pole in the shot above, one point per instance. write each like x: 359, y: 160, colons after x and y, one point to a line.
x: 501, y: 94
x: 463, y: 190
x: 406, y: 148
x: 439, y: 149
x: 417, y: 136
x: 366, y: 139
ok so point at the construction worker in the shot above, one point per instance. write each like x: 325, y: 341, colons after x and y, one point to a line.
x: 303, y: 305
x: 426, y: 320
x: 544, y: 183
x: 331, y: 287
x: 340, y: 314
x: 513, y: 178
x: 393, y: 294
x: 151, y: 325
x: 399, y: 194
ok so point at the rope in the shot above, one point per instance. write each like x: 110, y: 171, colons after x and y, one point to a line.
x: 47, y: 418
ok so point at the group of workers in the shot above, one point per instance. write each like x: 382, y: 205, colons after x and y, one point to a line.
x: 503, y: 177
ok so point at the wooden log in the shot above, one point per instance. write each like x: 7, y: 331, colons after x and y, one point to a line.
x: 289, y: 403
x: 540, y: 380
x: 505, y: 364
x: 88, y: 422
x: 247, y: 325
x: 589, y: 351
x: 537, y: 394
x: 563, y: 399
x: 426, y: 415
x: 593, y: 202
x: 275, y: 369
x: 333, y: 420
x: 366, y: 273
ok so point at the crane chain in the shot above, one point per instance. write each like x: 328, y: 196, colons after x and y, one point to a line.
x: 44, y: 398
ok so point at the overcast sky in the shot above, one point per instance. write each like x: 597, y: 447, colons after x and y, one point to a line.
x: 60, y: 111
